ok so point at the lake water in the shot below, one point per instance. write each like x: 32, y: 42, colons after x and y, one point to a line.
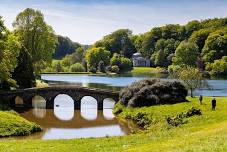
x: 63, y: 122
x: 217, y: 87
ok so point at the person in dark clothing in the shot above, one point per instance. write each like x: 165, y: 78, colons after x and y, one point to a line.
x: 201, y: 99
x: 213, y: 104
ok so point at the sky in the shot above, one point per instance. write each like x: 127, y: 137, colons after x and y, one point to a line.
x: 86, y: 21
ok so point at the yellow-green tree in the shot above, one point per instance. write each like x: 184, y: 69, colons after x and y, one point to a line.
x: 9, y: 51
x: 94, y: 55
x: 192, y: 78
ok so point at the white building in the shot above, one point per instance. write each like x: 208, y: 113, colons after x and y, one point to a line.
x: 139, y: 61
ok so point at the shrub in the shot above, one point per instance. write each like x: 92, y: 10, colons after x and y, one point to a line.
x: 126, y: 64
x: 181, y: 118
x: 92, y: 70
x: 115, y: 69
x: 150, y: 92
x: 77, y: 67
x: 101, y: 67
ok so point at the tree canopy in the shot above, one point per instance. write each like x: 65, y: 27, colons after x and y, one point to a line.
x: 36, y: 36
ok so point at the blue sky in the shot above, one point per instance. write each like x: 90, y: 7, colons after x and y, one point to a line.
x: 87, y: 21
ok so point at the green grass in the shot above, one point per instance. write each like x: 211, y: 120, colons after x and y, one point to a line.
x: 11, y: 124
x: 146, y: 70
x: 205, y: 133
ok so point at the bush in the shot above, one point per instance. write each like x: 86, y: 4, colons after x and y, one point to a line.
x: 92, y: 70
x: 101, y: 66
x: 150, y: 92
x: 115, y: 69
x: 77, y: 67
x: 181, y: 118
x: 124, y: 64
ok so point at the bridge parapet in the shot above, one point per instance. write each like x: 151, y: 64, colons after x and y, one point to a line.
x: 50, y: 93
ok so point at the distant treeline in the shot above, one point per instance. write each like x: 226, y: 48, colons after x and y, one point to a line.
x: 201, y: 44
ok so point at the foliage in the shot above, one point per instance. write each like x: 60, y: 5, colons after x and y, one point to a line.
x: 94, y: 55
x: 219, y: 67
x: 101, y: 66
x: 118, y: 42
x: 115, y: 69
x: 181, y: 118
x: 9, y: 51
x: 150, y: 92
x: 36, y: 36
x: 23, y: 73
x: 124, y: 64
x: 77, y: 67
x: 65, y: 46
x: 192, y: 78
x: 186, y: 54
x: 11, y: 124
x: 215, y: 46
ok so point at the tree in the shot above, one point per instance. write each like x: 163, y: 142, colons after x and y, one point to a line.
x: 77, y: 67
x: 36, y: 37
x: 118, y: 42
x: 215, y: 46
x: 160, y: 59
x: 124, y: 64
x: 101, y: 67
x: 192, y: 78
x: 219, y: 67
x: 9, y: 51
x: 24, y: 70
x: 64, y: 46
x: 94, y: 55
x: 186, y: 54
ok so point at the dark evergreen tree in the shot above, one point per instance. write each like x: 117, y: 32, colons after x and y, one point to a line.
x: 23, y: 73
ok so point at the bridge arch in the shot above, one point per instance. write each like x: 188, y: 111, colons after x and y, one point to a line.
x: 38, y: 102
x: 64, y: 107
x: 19, y: 101
x: 108, y: 105
x: 89, y: 108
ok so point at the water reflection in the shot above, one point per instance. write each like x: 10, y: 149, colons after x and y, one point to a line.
x: 18, y: 101
x: 63, y: 122
x: 89, y: 108
x: 38, y: 102
x: 108, y: 105
x: 64, y: 107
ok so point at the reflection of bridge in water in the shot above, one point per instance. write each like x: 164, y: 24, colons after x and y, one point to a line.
x: 50, y: 93
x: 48, y: 119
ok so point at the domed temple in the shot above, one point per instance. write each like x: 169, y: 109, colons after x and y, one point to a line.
x: 139, y: 61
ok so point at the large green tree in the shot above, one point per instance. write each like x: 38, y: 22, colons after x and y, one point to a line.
x: 9, y: 51
x: 118, y: 42
x: 36, y: 37
x: 186, y: 54
x: 94, y: 55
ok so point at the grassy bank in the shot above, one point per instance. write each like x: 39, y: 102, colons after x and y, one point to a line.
x: 11, y: 124
x: 146, y: 71
x: 207, y: 132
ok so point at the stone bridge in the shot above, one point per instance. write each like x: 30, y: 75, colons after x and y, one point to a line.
x: 49, y: 94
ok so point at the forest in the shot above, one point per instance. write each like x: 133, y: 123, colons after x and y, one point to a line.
x: 201, y: 44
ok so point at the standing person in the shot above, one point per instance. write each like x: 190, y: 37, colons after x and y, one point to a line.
x: 213, y: 104
x: 201, y: 99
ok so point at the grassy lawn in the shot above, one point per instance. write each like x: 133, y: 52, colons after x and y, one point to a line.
x: 11, y: 124
x: 146, y: 70
x: 205, y: 133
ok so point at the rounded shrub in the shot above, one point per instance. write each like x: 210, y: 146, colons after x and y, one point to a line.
x: 115, y: 69
x: 77, y: 67
x: 150, y: 92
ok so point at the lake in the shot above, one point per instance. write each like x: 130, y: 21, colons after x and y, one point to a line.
x: 63, y: 122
